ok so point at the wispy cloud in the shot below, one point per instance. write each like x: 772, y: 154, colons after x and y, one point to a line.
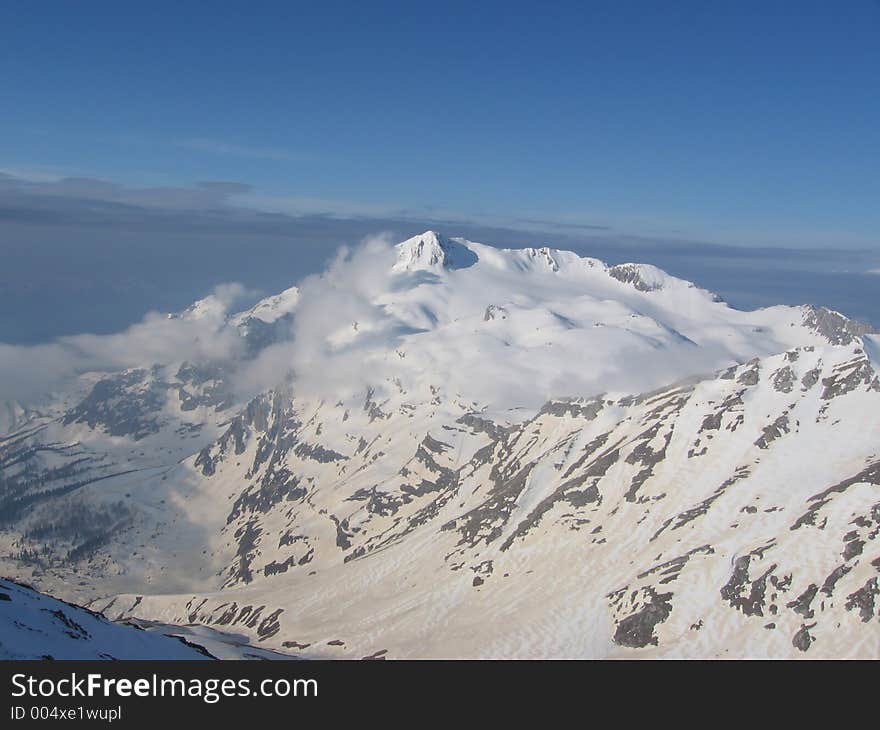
x: 52, y: 192
x: 33, y: 174
x: 28, y: 372
x: 552, y: 224
x: 300, y: 205
x: 219, y: 147
x: 303, y: 205
x: 85, y: 254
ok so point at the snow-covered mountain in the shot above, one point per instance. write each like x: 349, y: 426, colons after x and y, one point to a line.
x: 472, y: 451
x: 35, y: 626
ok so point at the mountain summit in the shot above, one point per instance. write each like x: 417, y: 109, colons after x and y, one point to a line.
x: 474, y: 452
x: 431, y: 251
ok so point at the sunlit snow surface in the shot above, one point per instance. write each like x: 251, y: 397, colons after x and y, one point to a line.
x: 458, y: 450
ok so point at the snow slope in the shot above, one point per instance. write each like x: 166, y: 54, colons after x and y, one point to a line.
x: 473, y: 451
x: 34, y: 626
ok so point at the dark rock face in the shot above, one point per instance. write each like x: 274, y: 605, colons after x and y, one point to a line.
x: 258, y: 334
x: 846, y: 378
x: 802, y: 640
x: 122, y: 405
x: 802, y: 603
x: 630, y: 274
x: 588, y: 410
x: 486, y: 522
x: 318, y: 453
x: 743, y: 593
x: 203, y: 385
x: 247, y: 536
x: 374, y: 409
x: 579, y: 490
x: 481, y: 425
x: 865, y: 600
x: 130, y: 403
x: 646, y: 456
x: 275, y: 486
x: 270, y: 625
x: 637, y: 630
x: 378, y: 502
x: 749, y: 377
x: 834, y: 327
x: 494, y: 312
x: 772, y: 432
x: 783, y: 379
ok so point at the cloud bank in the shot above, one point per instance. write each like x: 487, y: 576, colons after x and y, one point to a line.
x: 29, y: 373
x: 346, y: 334
x: 330, y: 303
x: 85, y: 255
x: 337, y: 330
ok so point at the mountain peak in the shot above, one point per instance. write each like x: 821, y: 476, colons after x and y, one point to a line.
x: 434, y: 252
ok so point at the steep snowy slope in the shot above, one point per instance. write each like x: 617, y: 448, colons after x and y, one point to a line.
x: 735, y: 514
x: 34, y: 626
x: 473, y: 451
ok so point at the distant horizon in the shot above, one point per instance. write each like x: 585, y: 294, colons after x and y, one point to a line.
x: 106, y: 285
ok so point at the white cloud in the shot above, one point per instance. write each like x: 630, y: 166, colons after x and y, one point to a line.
x: 326, y: 362
x: 29, y: 372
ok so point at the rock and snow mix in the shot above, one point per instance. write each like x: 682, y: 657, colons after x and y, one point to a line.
x: 448, y: 449
x: 39, y: 627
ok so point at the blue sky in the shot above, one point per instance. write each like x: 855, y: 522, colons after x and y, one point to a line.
x: 748, y: 123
